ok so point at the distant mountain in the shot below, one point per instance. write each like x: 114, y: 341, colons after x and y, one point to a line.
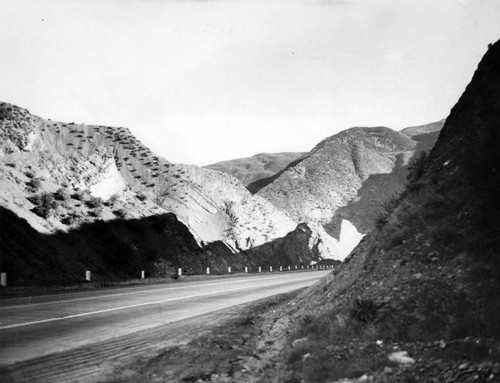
x: 259, y: 166
x: 60, y: 177
x: 348, y: 175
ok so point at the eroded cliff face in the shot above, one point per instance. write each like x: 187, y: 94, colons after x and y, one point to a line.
x: 347, y: 176
x: 59, y: 176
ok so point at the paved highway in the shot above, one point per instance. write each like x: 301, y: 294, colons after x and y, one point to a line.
x: 34, y: 327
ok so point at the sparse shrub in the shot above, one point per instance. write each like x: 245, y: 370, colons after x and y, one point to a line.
x: 94, y: 202
x: 163, y: 269
x: 120, y: 213
x: 44, y: 204
x: 61, y: 195
x: 79, y: 195
x: 96, y: 211
x: 417, y: 167
x: 34, y: 183
x: 113, y: 199
x: 388, y: 207
x: 364, y: 310
x: 29, y: 174
x: 69, y: 220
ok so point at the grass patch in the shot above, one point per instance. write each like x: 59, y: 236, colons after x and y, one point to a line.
x: 333, y: 346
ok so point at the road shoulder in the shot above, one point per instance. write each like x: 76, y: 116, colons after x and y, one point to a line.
x: 239, y: 348
x: 229, y: 345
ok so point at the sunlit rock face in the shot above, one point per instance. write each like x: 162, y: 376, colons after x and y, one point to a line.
x: 349, y: 239
x: 83, y: 162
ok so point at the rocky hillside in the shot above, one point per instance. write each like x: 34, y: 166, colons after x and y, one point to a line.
x: 61, y: 176
x: 257, y: 167
x: 419, y: 298
x: 111, y: 164
x: 347, y: 176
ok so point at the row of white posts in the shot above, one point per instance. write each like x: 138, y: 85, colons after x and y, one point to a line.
x: 88, y: 274
x: 179, y: 271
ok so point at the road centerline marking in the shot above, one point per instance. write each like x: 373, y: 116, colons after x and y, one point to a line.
x: 169, y: 288
x: 132, y: 306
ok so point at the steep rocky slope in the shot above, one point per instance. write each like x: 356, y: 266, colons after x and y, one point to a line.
x: 104, y: 162
x: 347, y: 176
x: 257, y: 167
x: 60, y: 176
x: 419, y: 298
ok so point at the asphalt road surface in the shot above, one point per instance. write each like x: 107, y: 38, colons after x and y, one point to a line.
x: 33, y: 328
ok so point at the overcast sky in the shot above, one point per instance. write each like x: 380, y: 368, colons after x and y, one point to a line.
x: 200, y: 81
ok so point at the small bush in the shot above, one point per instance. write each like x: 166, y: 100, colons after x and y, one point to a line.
x: 94, y: 202
x: 96, y: 211
x: 388, y: 207
x: 364, y: 310
x: 44, y: 204
x: 34, y: 183
x: 163, y: 269
x: 61, y: 195
x: 113, y: 199
x: 120, y: 213
x: 417, y: 167
x: 69, y: 220
x: 79, y: 195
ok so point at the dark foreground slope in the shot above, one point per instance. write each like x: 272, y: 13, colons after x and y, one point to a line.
x: 427, y: 281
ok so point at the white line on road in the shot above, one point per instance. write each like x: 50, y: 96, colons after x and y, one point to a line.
x: 130, y: 306
x: 169, y: 288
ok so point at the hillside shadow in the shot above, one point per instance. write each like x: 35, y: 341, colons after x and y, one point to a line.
x: 291, y: 250
x: 363, y: 210
x: 112, y: 250
x: 255, y: 186
x: 119, y: 249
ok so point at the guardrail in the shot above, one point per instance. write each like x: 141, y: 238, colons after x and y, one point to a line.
x: 247, y: 270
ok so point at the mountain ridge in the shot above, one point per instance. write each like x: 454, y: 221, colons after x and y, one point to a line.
x: 58, y: 176
x: 345, y: 176
x: 107, y: 161
x: 252, y: 169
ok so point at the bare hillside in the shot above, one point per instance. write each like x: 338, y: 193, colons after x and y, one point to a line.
x: 347, y: 176
x: 257, y: 167
x: 60, y: 176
